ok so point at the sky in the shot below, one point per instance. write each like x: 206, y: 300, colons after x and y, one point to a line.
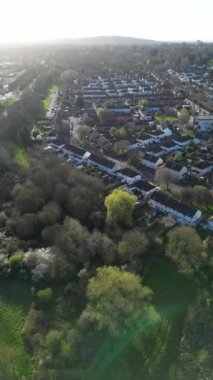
x: 162, y: 20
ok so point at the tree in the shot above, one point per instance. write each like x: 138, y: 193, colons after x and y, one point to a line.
x: 121, y: 147
x: 79, y: 102
x: 202, y: 195
x: 72, y: 241
x: 53, y: 341
x: 83, y: 133
x: 143, y: 102
x: 135, y: 157
x: 120, y: 206
x: 132, y: 247
x: 183, y: 116
x: 34, y: 322
x: 113, y: 132
x: 27, y: 198
x: 117, y: 301
x: 27, y: 226
x: 101, y: 248
x: 105, y: 116
x: 187, y: 194
x: 184, y: 247
x: 50, y: 214
x: 165, y: 176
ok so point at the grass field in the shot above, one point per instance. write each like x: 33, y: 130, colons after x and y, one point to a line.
x: 172, y: 294
x: 165, y: 118
x: 21, y: 157
x: 51, y: 91
x: 14, y: 304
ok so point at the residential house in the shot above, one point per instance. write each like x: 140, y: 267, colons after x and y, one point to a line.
x: 142, y: 142
x: 182, y: 213
x: 157, y: 135
x: 204, y: 123
x: 202, y: 168
x: 170, y: 146
x: 145, y: 188
x: 103, y: 164
x: 182, y: 141
x: 152, y: 161
x: 78, y: 153
x: 128, y: 175
x: 180, y: 171
x: 157, y: 151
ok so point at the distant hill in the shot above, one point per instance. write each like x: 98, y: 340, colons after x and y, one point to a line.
x: 107, y: 40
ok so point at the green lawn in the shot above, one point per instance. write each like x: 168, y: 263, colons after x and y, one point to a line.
x: 165, y: 118
x: 172, y: 294
x: 21, y: 157
x: 51, y: 91
x: 14, y: 304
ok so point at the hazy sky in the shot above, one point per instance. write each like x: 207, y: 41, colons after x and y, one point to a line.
x: 34, y: 20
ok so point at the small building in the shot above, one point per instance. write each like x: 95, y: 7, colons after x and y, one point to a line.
x: 157, y: 151
x: 128, y: 175
x: 145, y: 188
x: 170, y: 146
x: 151, y: 161
x: 178, y: 170
x: 182, y: 141
x: 202, y: 168
x: 77, y: 152
x: 182, y: 213
x: 204, y: 123
x: 102, y: 164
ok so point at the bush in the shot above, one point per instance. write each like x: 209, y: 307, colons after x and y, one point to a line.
x: 53, y: 341
x: 16, y: 259
x: 45, y: 295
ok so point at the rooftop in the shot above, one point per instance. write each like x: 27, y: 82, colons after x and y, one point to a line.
x: 172, y: 203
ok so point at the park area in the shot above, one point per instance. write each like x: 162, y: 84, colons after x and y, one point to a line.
x: 15, y: 362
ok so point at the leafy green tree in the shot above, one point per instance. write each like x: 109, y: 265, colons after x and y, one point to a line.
x: 50, y: 214
x: 164, y: 176
x: 117, y: 301
x: 72, y: 241
x: 143, y: 102
x: 34, y: 322
x: 121, y: 147
x: 132, y: 247
x: 184, y: 247
x: 183, y: 116
x: 53, y: 341
x: 83, y: 133
x: 202, y: 195
x: 27, y: 198
x: 27, y: 226
x: 101, y: 248
x: 120, y: 206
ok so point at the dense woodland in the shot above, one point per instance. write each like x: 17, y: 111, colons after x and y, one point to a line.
x: 105, y: 299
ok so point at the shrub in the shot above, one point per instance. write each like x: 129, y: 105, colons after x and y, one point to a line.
x: 16, y: 259
x: 53, y: 341
x: 45, y: 295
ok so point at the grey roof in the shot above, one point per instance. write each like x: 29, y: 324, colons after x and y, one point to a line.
x: 102, y: 161
x: 143, y: 185
x: 172, y: 203
x: 128, y: 172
